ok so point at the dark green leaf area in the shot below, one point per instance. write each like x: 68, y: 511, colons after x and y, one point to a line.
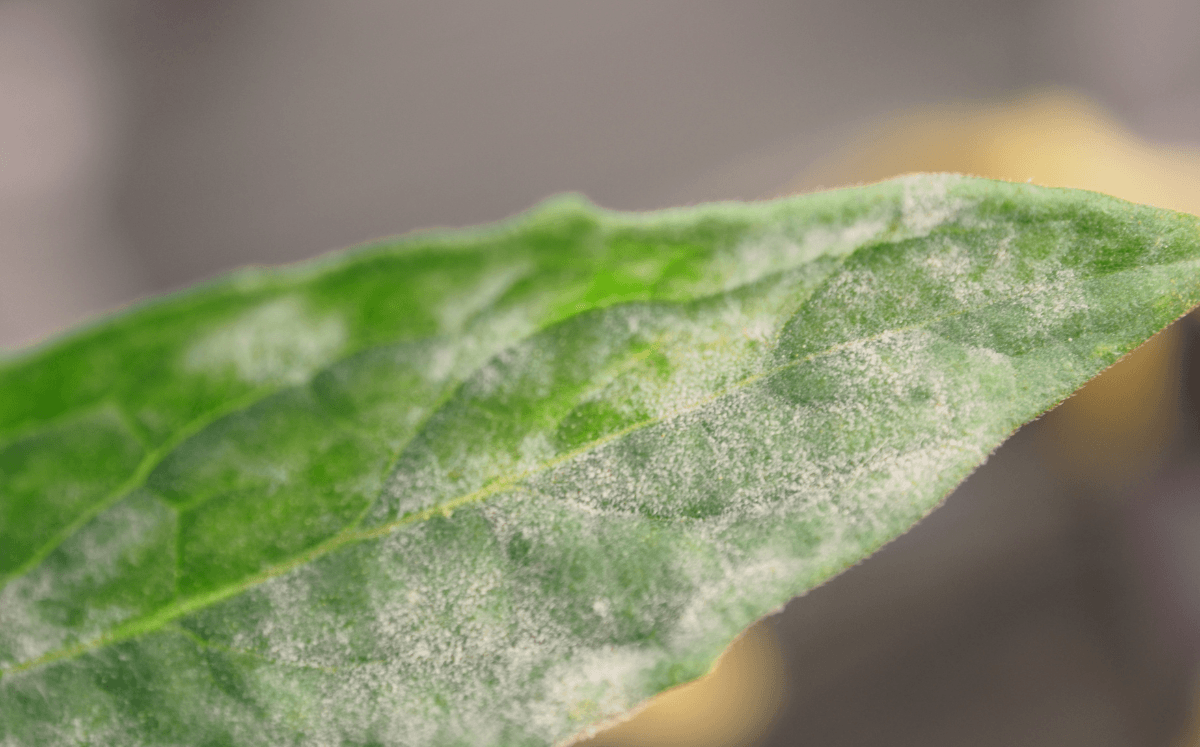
x: 387, y: 391
x: 265, y: 483
x: 52, y: 479
x: 645, y: 275
x: 117, y: 567
x: 592, y: 420
x: 161, y: 689
x: 1090, y: 327
x: 1095, y: 237
x: 1033, y: 277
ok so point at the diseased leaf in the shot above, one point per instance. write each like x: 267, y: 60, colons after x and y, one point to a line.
x: 490, y: 487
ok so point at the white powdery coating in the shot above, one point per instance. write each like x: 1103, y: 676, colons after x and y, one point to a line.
x: 456, y: 310
x: 756, y: 257
x: 77, y: 732
x: 1050, y: 292
x: 706, y: 621
x: 24, y: 634
x: 925, y: 204
x: 440, y: 632
x: 455, y: 357
x: 590, y: 686
x: 94, y: 557
x: 1053, y: 301
x: 459, y: 657
x: 279, y: 341
x: 950, y: 264
x: 707, y: 350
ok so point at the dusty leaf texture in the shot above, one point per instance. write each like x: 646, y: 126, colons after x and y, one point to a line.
x: 490, y: 487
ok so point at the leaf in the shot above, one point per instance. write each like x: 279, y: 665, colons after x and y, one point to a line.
x: 494, y: 486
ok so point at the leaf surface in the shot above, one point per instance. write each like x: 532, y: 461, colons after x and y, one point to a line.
x: 493, y: 486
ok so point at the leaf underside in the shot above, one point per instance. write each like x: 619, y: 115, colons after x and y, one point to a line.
x: 492, y: 486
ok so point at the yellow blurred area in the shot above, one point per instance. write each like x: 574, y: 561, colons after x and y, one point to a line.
x: 732, y: 705
x: 1107, y: 434
x: 1052, y: 138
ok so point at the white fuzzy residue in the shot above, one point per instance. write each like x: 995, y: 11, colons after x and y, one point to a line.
x: 96, y: 556
x: 761, y: 255
x: 456, y: 309
x: 925, y: 205
x: 590, y: 685
x: 280, y: 340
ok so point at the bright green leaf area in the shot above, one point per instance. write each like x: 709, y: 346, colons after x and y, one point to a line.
x: 492, y: 486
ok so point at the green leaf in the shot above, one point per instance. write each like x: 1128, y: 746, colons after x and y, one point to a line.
x: 492, y: 486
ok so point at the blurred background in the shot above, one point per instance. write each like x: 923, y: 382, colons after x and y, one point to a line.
x: 1054, y: 599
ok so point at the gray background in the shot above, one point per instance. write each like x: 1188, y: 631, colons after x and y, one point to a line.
x: 146, y: 145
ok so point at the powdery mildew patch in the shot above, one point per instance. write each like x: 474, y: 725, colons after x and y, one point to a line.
x: 280, y: 340
x: 50, y: 607
x: 927, y: 204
